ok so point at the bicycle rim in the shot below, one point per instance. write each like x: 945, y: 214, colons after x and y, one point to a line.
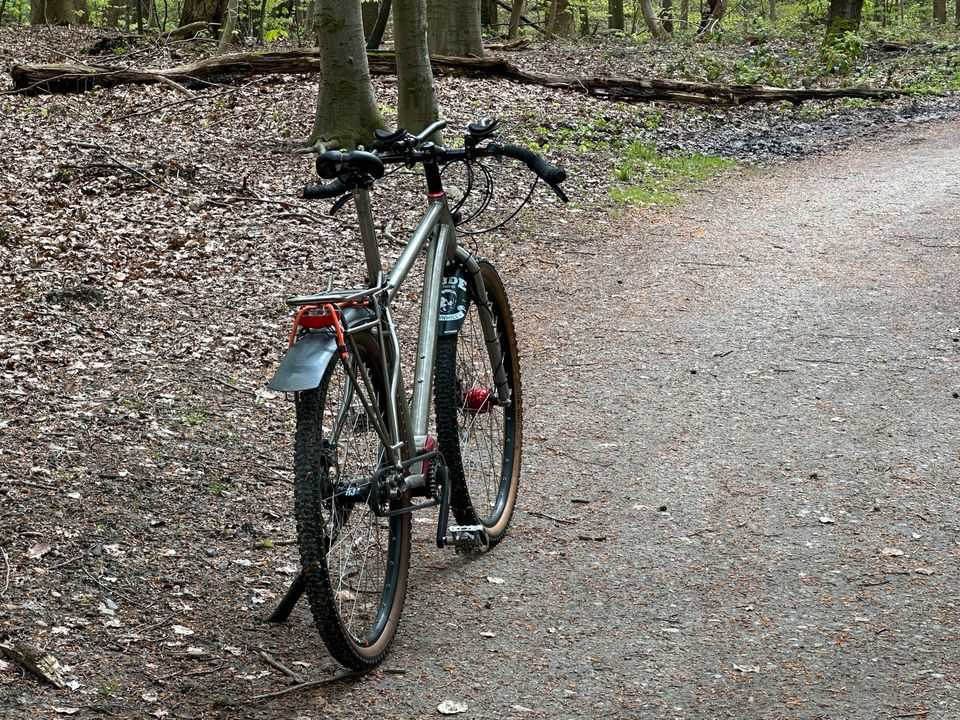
x: 355, y: 561
x: 480, y: 436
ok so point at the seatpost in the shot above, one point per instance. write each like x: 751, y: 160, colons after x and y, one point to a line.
x: 371, y: 250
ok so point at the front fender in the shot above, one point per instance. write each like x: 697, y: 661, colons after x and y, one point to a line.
x: 306, y: 360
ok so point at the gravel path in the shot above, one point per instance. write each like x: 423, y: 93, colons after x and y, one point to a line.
x: 752, y: 431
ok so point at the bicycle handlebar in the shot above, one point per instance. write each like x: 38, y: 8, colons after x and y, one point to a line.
x: 325, y: 190
x: 550, y: 174
x: 358, y: 168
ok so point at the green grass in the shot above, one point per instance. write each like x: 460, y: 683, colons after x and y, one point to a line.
x: 648, y: 177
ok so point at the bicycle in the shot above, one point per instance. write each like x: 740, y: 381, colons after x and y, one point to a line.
x: 364, y: 459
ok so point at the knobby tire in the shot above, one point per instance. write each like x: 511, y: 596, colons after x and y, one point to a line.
x: 355, y: 562
x: 481, y: 448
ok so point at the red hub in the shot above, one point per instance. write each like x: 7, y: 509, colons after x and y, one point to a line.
x: 478, y: 400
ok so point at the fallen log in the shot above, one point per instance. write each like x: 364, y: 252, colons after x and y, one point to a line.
x: 80, y: 78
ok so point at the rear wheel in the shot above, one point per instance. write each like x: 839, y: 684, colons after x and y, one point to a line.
x: 355, y: 562
x: 479, y: 431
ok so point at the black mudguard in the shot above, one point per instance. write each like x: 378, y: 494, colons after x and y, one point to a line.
x: 305, y: 362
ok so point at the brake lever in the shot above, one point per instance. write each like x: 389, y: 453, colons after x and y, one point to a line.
x: 341, y: 201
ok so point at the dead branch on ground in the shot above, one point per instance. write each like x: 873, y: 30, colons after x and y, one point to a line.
x: 68, y: 78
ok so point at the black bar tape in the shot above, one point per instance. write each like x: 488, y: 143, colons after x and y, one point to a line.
x: 550, y: 174
x: 320, y: 192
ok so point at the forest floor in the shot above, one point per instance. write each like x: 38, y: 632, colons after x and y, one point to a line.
x: 748, y: 437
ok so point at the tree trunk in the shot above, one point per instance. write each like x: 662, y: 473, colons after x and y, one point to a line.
x: 615, y: 14
x: 226, y: 37
x: 489, y: 13
x: 113, y: 13
x: 843, y: 16
x: 773, y: 11
x: 376, y: 36
x: 666, y: 16
x: 651, y: 20
x: 561, y: 19
x: 417, y: 101
x: 684, y: 14
x: 347, y: 112
x: 453, y: 28
x: 80, y: 78
x: 58, y: 12
x: 517, y: 11
x: 211, y: 11
x: 940, y: 12
x: 710, y: 19
x: 371, y: 11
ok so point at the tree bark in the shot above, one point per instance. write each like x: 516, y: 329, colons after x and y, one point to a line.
x: 347, y: 112
x: 615, y: 14
x: 58, y: 12
x: 940, y: 12
x: 651, y: 20
x: 517, y: 11
x: 79, y: 78
x: 376, y: 36
x: 843, y: 16
x: 712, y: 18
x: 561, y: 19
x: 417, y: 96
x: 226, y: 37
x: 453, y: 28
x: 209, y: 11
x: 489, y: 13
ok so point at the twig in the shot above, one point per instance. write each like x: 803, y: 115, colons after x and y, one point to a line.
x: 281, y: 667
x: 308, y: 685
x: 65, y: 562
x: 828, y: 362
x: 232, y: 387
x: 164, y: 80
x: 158, y: 108
x: 135, y: 171
x: 40, y: 486
x: 6, y: 562
x: 551, y: 517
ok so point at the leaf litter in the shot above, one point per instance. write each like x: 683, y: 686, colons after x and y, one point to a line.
x: 145, y: 250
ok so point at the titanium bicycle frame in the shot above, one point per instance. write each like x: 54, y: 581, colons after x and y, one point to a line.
x: 436, y: 233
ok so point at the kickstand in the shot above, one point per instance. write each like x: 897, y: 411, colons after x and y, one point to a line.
x: 285, y: 607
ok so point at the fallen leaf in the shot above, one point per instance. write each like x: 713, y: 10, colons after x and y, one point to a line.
x: 39, y: 550
x: 746, y: 668
x: 452, y: 707
x: 495, y: 580
x: 181, y: 630
x: 891, y: 552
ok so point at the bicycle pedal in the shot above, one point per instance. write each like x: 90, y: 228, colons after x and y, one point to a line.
x: 469, y: 539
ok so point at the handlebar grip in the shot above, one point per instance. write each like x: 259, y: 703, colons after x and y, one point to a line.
x: 329, y: 190
x: 550, y: 174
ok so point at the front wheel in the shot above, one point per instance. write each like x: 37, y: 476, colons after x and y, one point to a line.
x: 478, y: 428
x: 355, y: 561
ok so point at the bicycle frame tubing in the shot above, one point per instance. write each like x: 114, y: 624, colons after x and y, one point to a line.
x: 436, y: 233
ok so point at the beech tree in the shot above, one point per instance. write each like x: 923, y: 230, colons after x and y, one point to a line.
x: 58, y: 12
x: 211, y: 11
x: 843, y: 16
x: 347, y: 112
x: 417, y: 102
x: 615, y: 14
x: 453, y: 28
x: 651, y: 20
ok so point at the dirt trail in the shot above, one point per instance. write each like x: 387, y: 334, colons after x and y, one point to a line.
x: 739, y: 498
x: 755, y: 430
